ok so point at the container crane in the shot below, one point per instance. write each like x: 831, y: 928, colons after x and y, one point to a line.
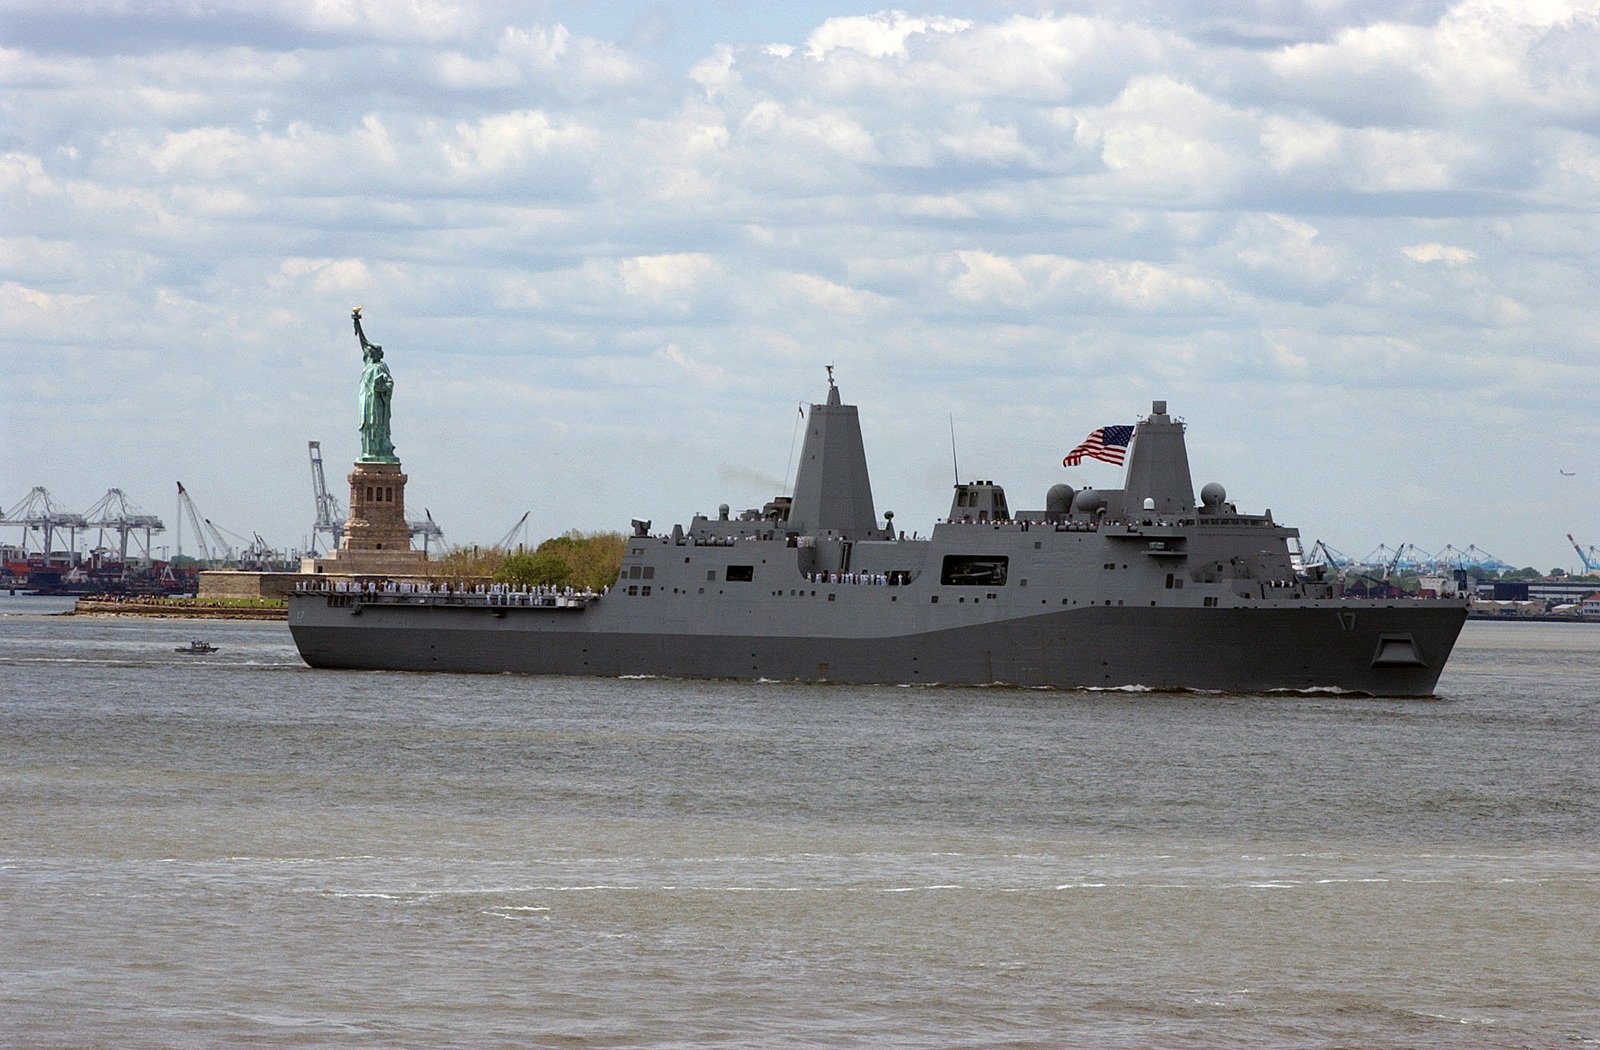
x: 39, y: 512
x: 186, y: 507
x: 1482, y: 559
x: 1414, y: 558
x: 1322, y: 554
x: 521, y: 525
x: 1589, y: 557
x: 254, y: 552
x: 330, y: 515
x: 1399, y: 553
x: 116, y: 512
x: 427, y: 529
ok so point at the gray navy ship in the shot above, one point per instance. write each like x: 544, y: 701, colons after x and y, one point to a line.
x: 1141, y: 586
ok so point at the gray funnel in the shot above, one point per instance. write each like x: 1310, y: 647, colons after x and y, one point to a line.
x: 832, y: 492
x: 1158, y: 466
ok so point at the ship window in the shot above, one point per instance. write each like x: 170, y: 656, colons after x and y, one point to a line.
x: 974, y: 570
x: 634, y: 589
x: 711, y: 574
x: 633, y: 573
x: 740, y: 573
x: 649, y: 572
x: 645, y: 591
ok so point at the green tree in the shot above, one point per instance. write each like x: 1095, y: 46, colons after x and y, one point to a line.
x: 573, y: 559
x: 539, y: 568
x: 595, y: 558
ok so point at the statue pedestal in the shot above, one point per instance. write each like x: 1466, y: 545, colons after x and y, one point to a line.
x: 377, y: 539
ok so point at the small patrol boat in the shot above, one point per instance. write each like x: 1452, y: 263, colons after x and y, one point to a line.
x: 197, y: 648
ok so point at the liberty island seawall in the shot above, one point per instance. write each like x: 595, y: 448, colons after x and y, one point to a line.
x: 230, y: 849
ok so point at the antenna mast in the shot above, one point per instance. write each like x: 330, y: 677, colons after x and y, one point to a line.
x: 954, y: 465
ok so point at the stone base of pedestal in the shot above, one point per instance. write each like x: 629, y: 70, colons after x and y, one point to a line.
x: 377, y: 540
x: 377, y: 509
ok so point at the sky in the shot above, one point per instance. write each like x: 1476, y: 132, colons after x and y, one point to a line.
x: 609, y: 249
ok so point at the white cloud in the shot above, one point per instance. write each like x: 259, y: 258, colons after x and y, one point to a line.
x: 345, y: 276
x: 1036, y: 280
x: 1448, y: 254
x: 707, y: 375
x: 425, y: 20
x: 508, y: 142
x: 822, y: 294
x: 880, y: 35
x: 662, y: 277
x: 1169, y: 137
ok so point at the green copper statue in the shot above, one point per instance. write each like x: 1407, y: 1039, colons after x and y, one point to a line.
x: 377, y: 397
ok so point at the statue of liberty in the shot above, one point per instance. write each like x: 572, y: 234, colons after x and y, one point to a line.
x: 377, y: 397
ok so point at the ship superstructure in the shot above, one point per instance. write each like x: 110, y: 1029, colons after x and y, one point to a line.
x: 1138, y: 586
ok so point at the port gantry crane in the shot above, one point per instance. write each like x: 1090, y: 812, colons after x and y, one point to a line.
x: 522, y: 527
x: 1590, y: 557
x: 116, y: 512
x: 213, y: 545
x: 330, y: 515
x: 254, y: 552
x: 39, y: 512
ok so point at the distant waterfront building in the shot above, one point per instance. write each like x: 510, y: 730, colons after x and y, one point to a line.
x: 1560, y: 591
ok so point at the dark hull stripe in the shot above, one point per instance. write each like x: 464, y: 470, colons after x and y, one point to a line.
x: 1382, y: 649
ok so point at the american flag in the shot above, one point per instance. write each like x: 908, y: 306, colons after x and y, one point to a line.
x: 1107, y: 443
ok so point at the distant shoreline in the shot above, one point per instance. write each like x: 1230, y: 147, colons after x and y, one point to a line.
x: 181, y: 609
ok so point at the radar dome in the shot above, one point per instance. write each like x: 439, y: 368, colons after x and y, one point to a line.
x: 1059, y: 499
x: 1088, y: 501
x: 1212, y: 495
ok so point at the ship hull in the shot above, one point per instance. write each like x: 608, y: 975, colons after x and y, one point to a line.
x: 1380, y: 648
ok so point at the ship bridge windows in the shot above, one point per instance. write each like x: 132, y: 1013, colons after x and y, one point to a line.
x: 974, y: 570
x: 740, y: 573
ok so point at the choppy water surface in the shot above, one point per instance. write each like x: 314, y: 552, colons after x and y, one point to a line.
x: 229, y: 849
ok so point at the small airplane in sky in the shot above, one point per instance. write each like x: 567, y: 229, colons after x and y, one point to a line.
x: 1567, y: 473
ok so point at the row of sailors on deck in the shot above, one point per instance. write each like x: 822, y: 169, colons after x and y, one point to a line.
x: 384, y: 587
x: 875, y: 579
x: 425, y: 587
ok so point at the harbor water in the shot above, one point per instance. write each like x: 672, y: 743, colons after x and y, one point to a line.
x: 233, y: 849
